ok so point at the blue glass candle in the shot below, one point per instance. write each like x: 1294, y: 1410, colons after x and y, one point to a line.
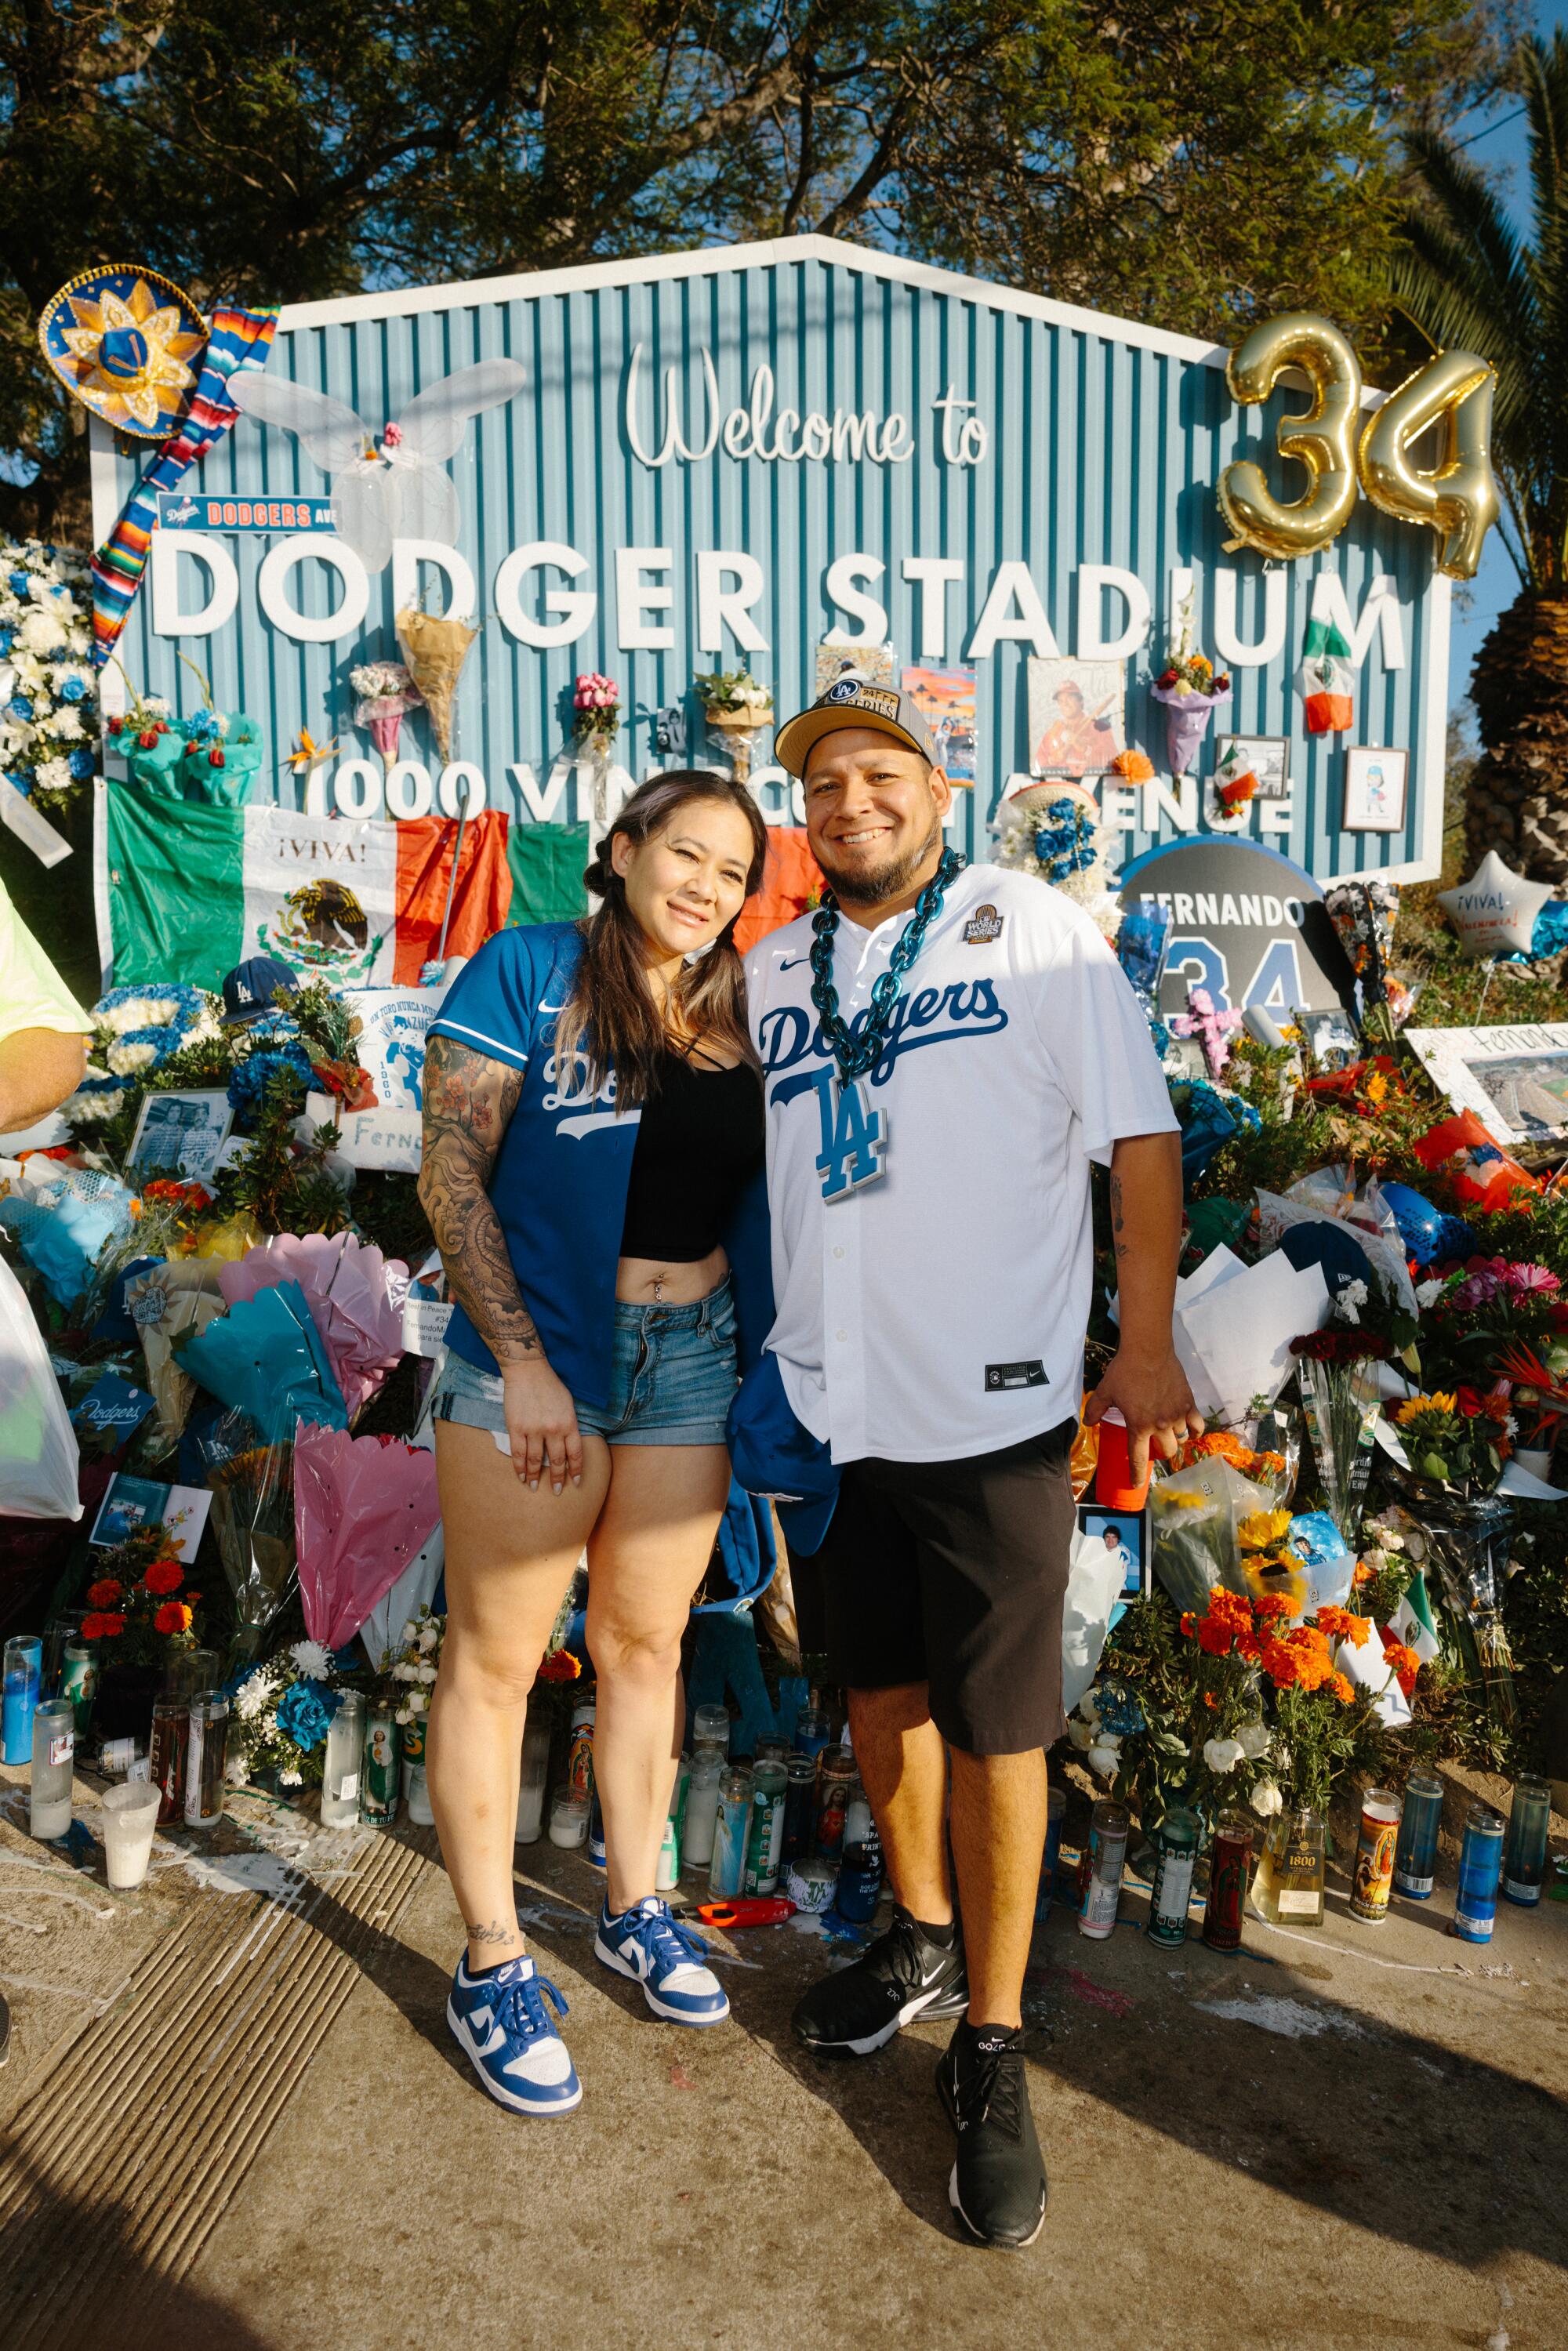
x: 23, y: 1680
x: 1480, y: 1867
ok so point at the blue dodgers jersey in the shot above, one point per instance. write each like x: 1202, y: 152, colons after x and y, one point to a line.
x: 561, y: 1178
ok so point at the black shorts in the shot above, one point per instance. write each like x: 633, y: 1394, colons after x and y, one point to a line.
x: 954, y: 1574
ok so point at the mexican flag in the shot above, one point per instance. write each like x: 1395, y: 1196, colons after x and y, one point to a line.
x: 1326, y: 677
x: 186, y: 891
x: 1412, y: 1620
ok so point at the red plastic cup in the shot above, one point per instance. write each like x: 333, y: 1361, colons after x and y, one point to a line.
x: 1113, y: 1487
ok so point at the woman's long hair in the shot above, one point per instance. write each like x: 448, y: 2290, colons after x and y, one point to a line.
x: 611, y: 1015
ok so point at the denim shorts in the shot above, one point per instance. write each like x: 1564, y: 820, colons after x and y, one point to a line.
x: 673, y: 1375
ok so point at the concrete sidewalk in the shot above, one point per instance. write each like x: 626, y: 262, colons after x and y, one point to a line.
x: 1345, y: 2139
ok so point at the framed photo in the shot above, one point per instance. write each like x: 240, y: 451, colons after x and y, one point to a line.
x: 945, y: 700
x: 877, y: 665
x: 1076, y: 716
x: 180, y: 1134
x: 1183, y: 1061
x: 1375, y: 784
x: 1332, y: 1039
x: 1124, y: 1536
x: 133, y: 1503
x: 1515, y: 1079
x: 1267, y: 756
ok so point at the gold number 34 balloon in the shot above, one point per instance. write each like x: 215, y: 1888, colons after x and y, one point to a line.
x: 1458, y: 497
x: 1322, y: 437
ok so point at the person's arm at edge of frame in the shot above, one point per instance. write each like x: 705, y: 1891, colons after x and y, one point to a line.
x: 1144, y: 1379
x: 468, y: 1099
x: 39, y: 1069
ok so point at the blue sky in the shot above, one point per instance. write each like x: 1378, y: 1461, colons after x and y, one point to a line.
x: 1498, y: 140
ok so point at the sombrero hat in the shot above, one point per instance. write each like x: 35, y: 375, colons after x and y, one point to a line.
x: 126, y: 342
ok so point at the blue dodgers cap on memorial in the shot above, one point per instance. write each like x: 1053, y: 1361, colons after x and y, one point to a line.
x: 251, y: 986
x: 854, y: 701
x: 772, y: 1453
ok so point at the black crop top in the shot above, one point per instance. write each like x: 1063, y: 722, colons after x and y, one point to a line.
x: 700, y: 1137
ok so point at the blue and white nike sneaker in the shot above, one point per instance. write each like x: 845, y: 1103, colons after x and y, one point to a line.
x: 501, y: 2025
x: 666, y: 1958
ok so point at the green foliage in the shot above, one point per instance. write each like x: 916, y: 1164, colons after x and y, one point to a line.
x: 1198, y: 168
x: 282, y: 1183
x: 1469, y: 280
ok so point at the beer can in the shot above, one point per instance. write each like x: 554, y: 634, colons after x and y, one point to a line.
x: 1374, y: 1871
x: 1415, y: 1847
x: 1481, y: 1867
x: 381, y: 1773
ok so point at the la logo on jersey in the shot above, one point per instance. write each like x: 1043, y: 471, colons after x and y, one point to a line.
x: 854, y: 1136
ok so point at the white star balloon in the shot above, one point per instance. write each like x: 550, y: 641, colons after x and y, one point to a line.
x: 1494, y: 912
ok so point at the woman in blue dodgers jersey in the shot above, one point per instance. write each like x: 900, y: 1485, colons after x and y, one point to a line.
x: 592, y: 1138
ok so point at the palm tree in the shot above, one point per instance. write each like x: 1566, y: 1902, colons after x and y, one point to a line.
x: 1469, y: 280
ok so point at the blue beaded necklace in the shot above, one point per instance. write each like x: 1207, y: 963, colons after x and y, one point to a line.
x: 854, y: 1136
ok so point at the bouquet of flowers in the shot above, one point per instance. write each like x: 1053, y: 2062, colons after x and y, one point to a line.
x: 1459, y: 1439
x: 136, y: 1032
x: 413, y: 1670
x: 49, y: 695
x: 596, y: 705
x: 280, y: 1715
x: 1337, y: 1370
x: 386, y: 693
x: 139, y: 1606
x: 729, y: 697
x: 1191, y: 690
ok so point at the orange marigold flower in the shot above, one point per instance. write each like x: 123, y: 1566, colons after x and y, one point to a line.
x: 1340, y: 1688
x: 173, y: 1617
x: 164, y: 1575
x: 560, y: 1665
x: 1357, y: 1630
x: 1270, y: 1608
x: 1407, y: 1665
x: 104, y: 1593
x: 1309, y: 1640
x: 1249, y: 1647
x: 1363, y: 1572
x: 92, y: 1625
x: 1215, y: 1638
x: 1230, y: 1608
x: 1282, y: 1666
x: 1188, y: 1623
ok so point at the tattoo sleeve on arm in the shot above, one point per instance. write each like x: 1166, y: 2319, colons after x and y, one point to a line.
x: 1118, y: 1218
x: 468, y: 1099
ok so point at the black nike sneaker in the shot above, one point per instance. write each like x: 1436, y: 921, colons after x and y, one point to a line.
x: 899, y: 1977
x: 998, y: 2187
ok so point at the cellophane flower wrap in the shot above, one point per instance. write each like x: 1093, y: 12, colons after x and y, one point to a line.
x: 363, y: 1510
x: 355, y: 1296
x: 253, y: 1515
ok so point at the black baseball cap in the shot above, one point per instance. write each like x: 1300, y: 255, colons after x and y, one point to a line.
x: 853, y: 701
x: 250, y: 987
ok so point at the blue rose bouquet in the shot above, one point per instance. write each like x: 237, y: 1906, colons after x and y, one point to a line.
x: 279, y: 1714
